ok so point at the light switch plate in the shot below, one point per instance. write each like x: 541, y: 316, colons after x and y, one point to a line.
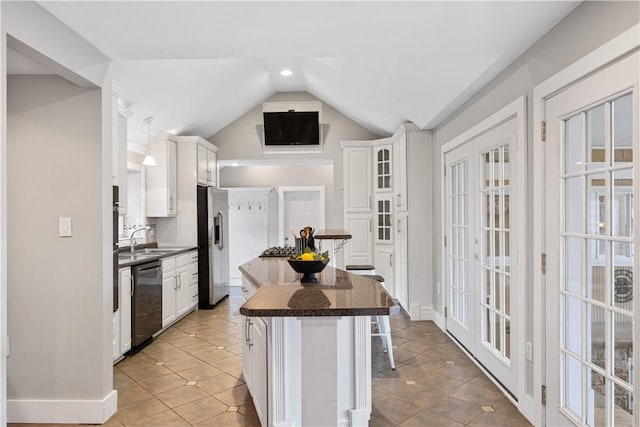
x: 64, y: 226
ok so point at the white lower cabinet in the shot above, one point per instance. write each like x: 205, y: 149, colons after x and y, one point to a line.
x: 116, y: 335
x: 122, y: 316
x: 384, y: 266
x: 254, y: 364
x: 176, y: 285
x: 193, y: 280
x: 125, y: 309
x: 359, y: 250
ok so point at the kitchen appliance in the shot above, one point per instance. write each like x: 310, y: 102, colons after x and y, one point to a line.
x: 116, y: 287
x: 146, y: 302
x: 213, y: 251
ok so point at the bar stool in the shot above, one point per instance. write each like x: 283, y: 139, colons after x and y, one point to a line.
x: 383, y: 325
x: 361, y: 269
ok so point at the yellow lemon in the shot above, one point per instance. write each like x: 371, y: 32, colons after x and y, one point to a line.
x: 307, y: 256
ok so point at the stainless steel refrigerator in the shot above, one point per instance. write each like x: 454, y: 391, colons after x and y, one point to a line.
x: 213, y: 248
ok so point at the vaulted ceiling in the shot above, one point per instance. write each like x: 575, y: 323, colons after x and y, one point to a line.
x: 197, y: 66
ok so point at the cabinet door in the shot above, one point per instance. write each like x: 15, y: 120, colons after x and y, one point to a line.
x: 116, y: 334
x: 383, y: 219
x: 359, y: 249
x: 203, y: 176
x: 212, y: 167
x: 172, y: 178
x: 385, y: 267
x: 182, y: 291
x: 193, y: 277
x: 401, y: 265
x: 400, y: 172
x: 259, y: 368
x: 169, y: 287
x: 382, y: 169
x: 357, y: 179
x: 125, y: 310
x: 247, y: 354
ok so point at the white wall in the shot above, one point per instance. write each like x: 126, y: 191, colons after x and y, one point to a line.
x: 241, y: 140
x: 83, y: 331
x: 589, y: 26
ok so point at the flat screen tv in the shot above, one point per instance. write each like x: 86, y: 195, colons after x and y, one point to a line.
x: 291, y: 128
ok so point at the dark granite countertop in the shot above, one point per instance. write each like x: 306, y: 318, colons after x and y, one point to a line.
x: 146, y: 254
x: 337, y: 293
x: 331, y: 234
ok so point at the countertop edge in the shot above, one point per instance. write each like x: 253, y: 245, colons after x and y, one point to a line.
x: 347, y: 312
x: 151, y: 258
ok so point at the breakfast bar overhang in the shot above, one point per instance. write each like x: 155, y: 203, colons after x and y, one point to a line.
x: 307, y: 348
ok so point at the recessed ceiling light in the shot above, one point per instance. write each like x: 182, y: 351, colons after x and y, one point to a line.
x: 286, y: 72
x: 234, y: 164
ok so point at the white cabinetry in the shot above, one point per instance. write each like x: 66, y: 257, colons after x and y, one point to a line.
x: 119, y: 116
x: 207, y: 165
x: 358, y: 203
x: 357, y: 178
x: 116, y: 335
x: 254, y: 363
x: 169, y: 289
x: 162, y: 179
x: 125, y: 309
x: 193, y: 275
x: 192, y: 172
x: 400, y: 216
x: 176, y: 284
x: 383, y: 166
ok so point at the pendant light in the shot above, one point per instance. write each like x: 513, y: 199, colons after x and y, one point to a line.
x: 148, y: 159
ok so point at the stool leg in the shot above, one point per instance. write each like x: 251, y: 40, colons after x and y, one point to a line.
x: 387, y: 334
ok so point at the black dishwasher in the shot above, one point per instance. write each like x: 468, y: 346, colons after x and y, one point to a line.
x: 146, y: 303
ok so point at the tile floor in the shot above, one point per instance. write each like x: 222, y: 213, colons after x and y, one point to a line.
x: 192, y: 375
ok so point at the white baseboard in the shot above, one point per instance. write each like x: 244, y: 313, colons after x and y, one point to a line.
x: 438, y: 319
x: 62, y: 411
x: 420, y: 312
x: 359, y: 417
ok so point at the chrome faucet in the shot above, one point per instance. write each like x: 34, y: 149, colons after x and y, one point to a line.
x: 132, y: 239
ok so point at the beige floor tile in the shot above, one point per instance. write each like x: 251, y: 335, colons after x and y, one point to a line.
x: 149, y: 372
x: 494, y: 419
x: 131, y: 393
x: 137, y: 361
x: 157, y: 345
x: 394, y: 410
x: 197, y: 347
x: 199, y: 373
x: 459, y: 372
x: 120, y: 379
x: 162, y: 419
x: 164, y: 383
x: 168, y: 354
x: 476, y: 394
x: 456, y: 409
x: 140, y: 409
x: 185, y: 363
x: 229, y: 419
x: 426, y: 418
x: 219, y: 383
x: 201, y: 410
x: 235, y: 396
x: 181, y: 395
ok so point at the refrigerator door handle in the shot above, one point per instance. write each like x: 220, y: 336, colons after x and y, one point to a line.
x: 221, y: 236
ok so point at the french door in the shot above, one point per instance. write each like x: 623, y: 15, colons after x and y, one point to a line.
x: 480, y: 293
x: 591, y: 201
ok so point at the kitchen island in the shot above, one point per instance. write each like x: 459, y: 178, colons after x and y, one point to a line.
x: 307, y: 348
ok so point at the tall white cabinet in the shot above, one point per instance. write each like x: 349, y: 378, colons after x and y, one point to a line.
x: 388, y: 210
x: 162, y: 179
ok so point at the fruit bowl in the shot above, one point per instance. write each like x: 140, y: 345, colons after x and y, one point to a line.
x: 308, y: 268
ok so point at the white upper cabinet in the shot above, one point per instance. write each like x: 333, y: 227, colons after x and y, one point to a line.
x: 162, y: 179
x: 383, y: 167
x: 357, y: 177
x: 207, y: 162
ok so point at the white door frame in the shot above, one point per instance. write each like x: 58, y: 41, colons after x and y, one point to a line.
x: 296, y: 189
x: 609, y: 52
x: 516, y: 109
